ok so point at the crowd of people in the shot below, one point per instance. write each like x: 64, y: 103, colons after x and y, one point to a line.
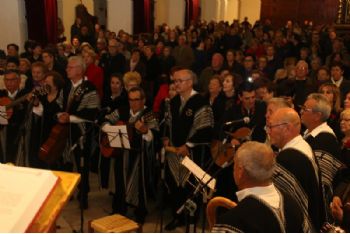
x: 285, y: 92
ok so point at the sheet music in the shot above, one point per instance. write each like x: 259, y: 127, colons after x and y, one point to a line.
x: 117, y: 136
x: 198, y: 172
x: 22, y: 193
x: 3, y: 116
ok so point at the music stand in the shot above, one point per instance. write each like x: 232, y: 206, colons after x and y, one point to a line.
x: 117, y: 136
x: 204, y: 181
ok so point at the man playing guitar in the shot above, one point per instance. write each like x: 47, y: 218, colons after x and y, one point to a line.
x: 191, y: 127
x: 79, y: 103
x: 9, y: 134
x: 133, y: 168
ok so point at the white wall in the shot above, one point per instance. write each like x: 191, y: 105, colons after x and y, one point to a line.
x: 210, y: 10
x: 161, y: 12
x: 14, y: 25
x: 223, y: 7
x: 176, y: 13
x: 251, y: 9
x: 66, y: 11
x: 232, y: 10
x: 100, y: 10
x: 119, y: 15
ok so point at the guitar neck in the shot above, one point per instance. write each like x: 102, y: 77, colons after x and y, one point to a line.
x: 16, y: 102
x: 36, y: 92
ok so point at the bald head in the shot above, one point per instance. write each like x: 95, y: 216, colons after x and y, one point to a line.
x: 283, y: 126
x: 287, y: 115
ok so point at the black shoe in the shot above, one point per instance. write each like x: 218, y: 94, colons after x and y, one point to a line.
x: 140, y: 215
x: 173, y: 224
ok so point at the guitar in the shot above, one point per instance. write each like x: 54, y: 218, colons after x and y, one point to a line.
x: 223, y: 153
x: 53, y: 147
x: 108, y: 151
x: 9, y: 103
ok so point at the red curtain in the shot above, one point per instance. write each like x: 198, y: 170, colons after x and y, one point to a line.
x: 195, y: 10
x: 42, y: 20
x: 51, y: 20
x: 143, y: 16
x: 192, y: 11
x: 147, y: 12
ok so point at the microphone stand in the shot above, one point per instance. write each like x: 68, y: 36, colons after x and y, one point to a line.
x: 167, y: 125
x: 190, y: 206
x: 22, y: 157
x: 81, y: 167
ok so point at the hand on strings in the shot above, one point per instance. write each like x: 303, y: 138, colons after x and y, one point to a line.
x: 166, y: 141
x: 63, y: 118
x: 235, y: 143
x: 141, y: 127
x: 337, y: 208
x: 182, y: 150
x: 31, y: 97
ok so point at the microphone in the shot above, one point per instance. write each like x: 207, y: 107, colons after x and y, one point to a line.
x: 245, y: 120
x: 227, y: 163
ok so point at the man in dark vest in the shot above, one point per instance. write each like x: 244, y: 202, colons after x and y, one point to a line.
x: 262, y: 207
x: 297, y: 172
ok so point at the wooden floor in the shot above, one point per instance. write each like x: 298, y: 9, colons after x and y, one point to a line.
x: 100, y: 205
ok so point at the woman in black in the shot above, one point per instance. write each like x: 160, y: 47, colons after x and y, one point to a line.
x: 117, y: 100
x: 44, y: 117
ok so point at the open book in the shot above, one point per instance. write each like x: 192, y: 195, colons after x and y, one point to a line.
x: 23, y: 192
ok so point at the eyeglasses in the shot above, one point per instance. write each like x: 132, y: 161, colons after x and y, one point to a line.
x: 71, y: 67
x: 304, y: 109
x: 271, y: 126
x: 180, y: 81
x: 134, y: 99
x: 11, y: 80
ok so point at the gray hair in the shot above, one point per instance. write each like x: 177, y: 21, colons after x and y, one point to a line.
x: 279, y: 102
x: 79, y: 60
x: 190, y: 75
x: 258, y: 161
x: 322, y: 105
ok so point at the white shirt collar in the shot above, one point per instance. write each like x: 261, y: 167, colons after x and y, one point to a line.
x: 320, y: 128
x: 268, y: 194
x: 337, y: 83
x: 300, y: 144
x: 12, y: 95
x: 132, y: 114
x: 75, y: 85
x: 193, y: 92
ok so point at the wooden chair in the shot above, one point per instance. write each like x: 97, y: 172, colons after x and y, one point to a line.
x: 213, y: 204
x: 113, y: 224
